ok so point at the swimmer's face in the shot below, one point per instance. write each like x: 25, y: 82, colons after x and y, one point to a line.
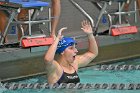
x: 70, y: 53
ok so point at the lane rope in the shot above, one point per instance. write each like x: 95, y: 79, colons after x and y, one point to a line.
x: 113, y: 86
x: 118, y: 67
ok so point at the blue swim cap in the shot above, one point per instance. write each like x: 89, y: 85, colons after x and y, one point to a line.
x: 64, y: 43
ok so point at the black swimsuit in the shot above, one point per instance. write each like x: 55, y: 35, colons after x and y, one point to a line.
x: 69, y: 78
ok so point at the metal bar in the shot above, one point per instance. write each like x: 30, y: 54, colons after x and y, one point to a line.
x: 135, y: 8
x: 100, y: 16
x: 100, y: 7
x: 32, y: 22
x: 120, y: 17
x: 8, y: 24
x: 83, y: 12
x: 49, y: 20
x: 34, y: 14
x: 117, y: 13
x: 121, y: 7
x: 29, y: 12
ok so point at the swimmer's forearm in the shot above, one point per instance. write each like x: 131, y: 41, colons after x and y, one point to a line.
x: 49, y: 56
x: 92, y: 52
x: 93, y: 48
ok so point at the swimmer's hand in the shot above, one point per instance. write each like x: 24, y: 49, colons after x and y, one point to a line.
x: 86, y: 27
x: 60, y: 32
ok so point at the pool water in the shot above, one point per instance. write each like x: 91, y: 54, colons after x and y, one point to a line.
x: 90, y: 75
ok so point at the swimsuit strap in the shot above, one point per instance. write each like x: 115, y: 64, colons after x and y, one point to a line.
x: 63, y: 69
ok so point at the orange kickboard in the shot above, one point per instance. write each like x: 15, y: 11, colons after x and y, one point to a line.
x: 124, y: 30
x: 29, y: 42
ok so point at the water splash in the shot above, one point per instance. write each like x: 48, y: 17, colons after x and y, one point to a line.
x: 2, y: 88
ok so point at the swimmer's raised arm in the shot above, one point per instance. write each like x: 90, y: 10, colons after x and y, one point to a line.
x: 49, y: 56
x: 92, y: 52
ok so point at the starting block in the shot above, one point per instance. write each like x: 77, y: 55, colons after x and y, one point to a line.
x: 124, y: 30
x: 36, y: 41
